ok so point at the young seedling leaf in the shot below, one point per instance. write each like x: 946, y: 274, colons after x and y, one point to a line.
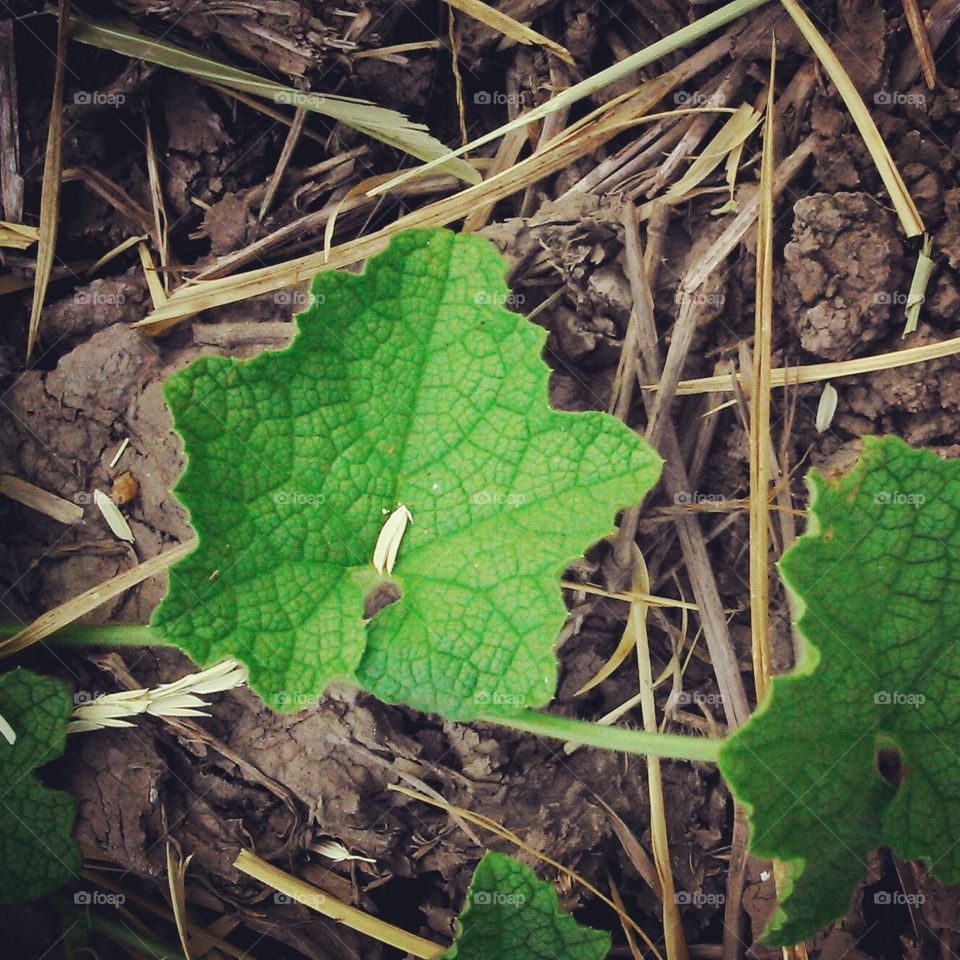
x: 858, y: 746
x: 37, y: 848
x: 511, y: 913
x: 408, y: 385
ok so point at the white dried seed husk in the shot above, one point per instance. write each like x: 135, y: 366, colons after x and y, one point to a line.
x: 336, y: 851
x: 116, y: 521
x: 6, y: 731
x: 181, y: 698
x: 388, y: 543
x: 826, y: 408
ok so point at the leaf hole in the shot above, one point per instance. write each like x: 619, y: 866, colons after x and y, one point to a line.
x: 890, y: 764
x: 382, y: 595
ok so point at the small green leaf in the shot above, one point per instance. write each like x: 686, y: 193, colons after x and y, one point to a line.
x: 510, y: 913
x: 858, y: 747
x: 407, y: 385
x: 37, y: 848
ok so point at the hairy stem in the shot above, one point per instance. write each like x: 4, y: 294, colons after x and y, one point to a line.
x: 667, y: 745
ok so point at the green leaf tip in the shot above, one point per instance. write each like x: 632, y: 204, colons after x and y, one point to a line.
x: 510, y: 913
x: 409, y: 384
x: 37, y: 848
x: 857, y: 748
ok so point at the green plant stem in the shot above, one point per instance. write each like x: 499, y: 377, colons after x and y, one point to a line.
x: 100, y: 635
x: 670, y: 746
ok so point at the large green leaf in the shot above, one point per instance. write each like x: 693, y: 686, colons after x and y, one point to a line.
x: 37, y: 849
x: 511, y: 914
x: 860, y: 745
x: 409, y: 384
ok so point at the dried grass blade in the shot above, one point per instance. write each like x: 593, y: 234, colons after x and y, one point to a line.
x: 50, y: 189
x: 329, y: 906
x: 910, y: 218
x: 760, y: 445
x: 509, y: 27
x: 73, y: 609
x: 388, y: 126
x: 591, y: 85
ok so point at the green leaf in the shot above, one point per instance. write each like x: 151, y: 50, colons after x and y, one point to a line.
x: 409, y: 384
x: 877, y: 574
x: 511, y: 913
x: 37, y: 848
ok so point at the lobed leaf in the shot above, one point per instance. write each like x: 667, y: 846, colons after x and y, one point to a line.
x: 858, y: 746
x: 511, y: 913
x: 37, y: 848
x: 408, y: 385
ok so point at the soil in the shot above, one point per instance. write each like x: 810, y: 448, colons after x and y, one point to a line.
x: 282, y: 783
